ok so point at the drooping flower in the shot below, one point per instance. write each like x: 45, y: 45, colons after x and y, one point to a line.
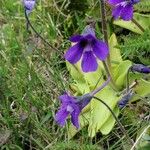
x: 140, y: 68
x: 123, y: 8
x: 73, y: 106
x: 125, y: 99
x: 29, y: 5
x: 87, y: 48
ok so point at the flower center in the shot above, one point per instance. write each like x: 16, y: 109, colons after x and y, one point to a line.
x: 87, y: 45
x: 88, y: 48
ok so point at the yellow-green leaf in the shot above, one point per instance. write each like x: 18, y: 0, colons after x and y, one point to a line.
x: 120, y: 73
x: 100, y: 113
x: 142, y: 19
x: 142, y: 89
x: 109, y: 124
x: 115, y: 54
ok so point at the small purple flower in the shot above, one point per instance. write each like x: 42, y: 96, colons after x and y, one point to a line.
x: 123, y: 8
x: 87, y: 48
x: 29, y: 5
x: 140, y: 68
x: 73, y: 106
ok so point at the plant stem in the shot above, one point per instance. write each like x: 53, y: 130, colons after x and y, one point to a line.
x: 100, y: 88
x: 29, y: 24
x: 117, y: 120
x: 127, y: 80
x: 138, y: 25
x: 107, y: 65
x: 104, y: 25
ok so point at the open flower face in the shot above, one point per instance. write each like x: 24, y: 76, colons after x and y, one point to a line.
x: 87, y: 48
x: 123, y: 8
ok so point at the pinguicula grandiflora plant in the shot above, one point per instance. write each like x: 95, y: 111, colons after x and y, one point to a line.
x: 104, y: 83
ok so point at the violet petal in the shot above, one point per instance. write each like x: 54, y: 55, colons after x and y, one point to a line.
x: 61, y: 115
x: 114, y: 2
x: 75, y: 38
x: 74, y: 54
x: 89, y: 63
x: 127, y: 13
x: 74, y: 117
x: 64, y: 98
x: 117, y: 12
x: 100, y: 49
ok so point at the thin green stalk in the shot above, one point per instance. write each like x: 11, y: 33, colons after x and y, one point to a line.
x: 127, y: 80
x: 117, y: 120
x: 30, y: 24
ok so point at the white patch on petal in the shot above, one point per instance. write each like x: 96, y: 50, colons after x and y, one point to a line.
x: 70, y: 109
x: 123, y: 4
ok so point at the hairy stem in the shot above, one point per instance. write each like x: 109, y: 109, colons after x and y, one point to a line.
x: 107, y: 64
x: 29, y: 24
x: 103, y: 17
x: 138, y: 25
x: 104, y: 25
x: 117, y: 120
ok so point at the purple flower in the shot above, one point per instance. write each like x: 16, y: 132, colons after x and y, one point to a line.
x: 123, y: 8
x: 29, y: 5
x: 73, y: 106
x: 140, y: 68
x: 87, y: 48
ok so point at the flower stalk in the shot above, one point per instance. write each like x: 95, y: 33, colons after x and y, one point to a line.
x: 107, y: 63
x: 30, y: 24
x: 127, y: 80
